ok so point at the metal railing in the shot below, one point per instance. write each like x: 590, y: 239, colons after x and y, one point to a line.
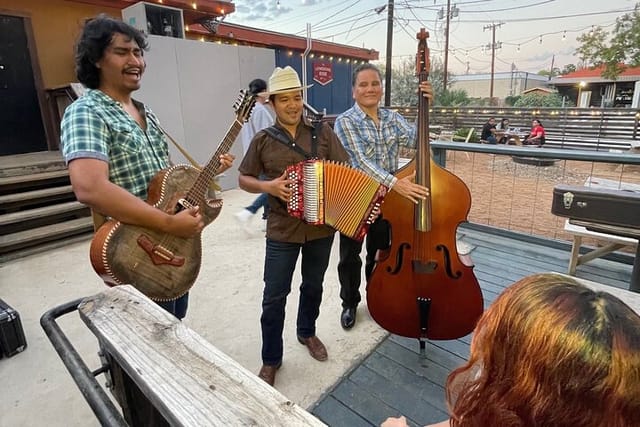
x: 511, y: 190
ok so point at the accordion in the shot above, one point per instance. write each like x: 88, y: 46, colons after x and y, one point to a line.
x: 326, y: 192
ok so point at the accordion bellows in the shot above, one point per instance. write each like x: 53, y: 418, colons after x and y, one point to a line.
x: 326, y: 192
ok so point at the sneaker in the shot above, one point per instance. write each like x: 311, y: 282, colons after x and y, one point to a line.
x: 243, y: 216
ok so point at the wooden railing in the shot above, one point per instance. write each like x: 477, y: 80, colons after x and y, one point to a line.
x: 601, y: 129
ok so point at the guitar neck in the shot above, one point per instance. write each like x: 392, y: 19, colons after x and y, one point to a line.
x: 198, y: 191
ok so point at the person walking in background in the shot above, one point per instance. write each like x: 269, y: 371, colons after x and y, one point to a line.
x: 262, y: 116
x: 291, y: 140
x: 489, y: 131
x: 112, y: 143
x: 537, y: 134
x: 372, y: 136
x: 549, y: 352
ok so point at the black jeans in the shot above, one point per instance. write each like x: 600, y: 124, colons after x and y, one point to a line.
x: 350, y: 264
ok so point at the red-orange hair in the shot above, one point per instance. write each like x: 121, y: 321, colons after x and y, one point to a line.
x: 550, y: 352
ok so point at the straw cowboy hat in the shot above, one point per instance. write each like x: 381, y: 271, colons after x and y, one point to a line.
x: 284, y: 80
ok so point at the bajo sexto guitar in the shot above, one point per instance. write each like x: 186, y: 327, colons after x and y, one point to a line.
x: 160, y: 265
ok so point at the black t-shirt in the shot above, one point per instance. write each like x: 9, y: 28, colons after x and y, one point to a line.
x: 486, y: 130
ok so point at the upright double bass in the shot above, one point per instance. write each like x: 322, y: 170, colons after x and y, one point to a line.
x: 419, y: 287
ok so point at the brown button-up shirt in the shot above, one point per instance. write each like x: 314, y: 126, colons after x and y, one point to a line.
x: 269, y: 158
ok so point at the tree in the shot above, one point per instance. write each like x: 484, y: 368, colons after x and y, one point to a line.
x: 539, y: 100
x: 404, y: 82
x: 569, y: 68
x: 621, y: 50
x: 553, y: 73
x: 453, y: 98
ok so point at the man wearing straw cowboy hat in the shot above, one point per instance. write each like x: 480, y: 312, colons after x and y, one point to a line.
x: 289, y: 141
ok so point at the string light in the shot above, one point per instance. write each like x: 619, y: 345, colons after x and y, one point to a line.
x: 540, y: 41
x: 194, y: 5
x: 564, y: 36
x: 518, y: 49
x: 278, y: 4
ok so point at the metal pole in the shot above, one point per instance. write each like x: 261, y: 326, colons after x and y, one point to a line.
x: 446, y: 45
x: 305, y: 55
x: 493, y: 62
x: 387, y: 77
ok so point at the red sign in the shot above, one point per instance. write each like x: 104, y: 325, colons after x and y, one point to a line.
x: 323, y: 72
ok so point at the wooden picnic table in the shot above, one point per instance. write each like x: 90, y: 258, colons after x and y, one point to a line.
x: 514, y: 138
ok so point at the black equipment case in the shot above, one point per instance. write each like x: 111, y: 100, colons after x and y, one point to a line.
x: 605, y: 206
x: 12, y: 339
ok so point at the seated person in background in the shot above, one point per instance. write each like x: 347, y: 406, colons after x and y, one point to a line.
x: 503, y: 127
x: 536, y: 136
x: 549, y: 352
x: 489, y: 131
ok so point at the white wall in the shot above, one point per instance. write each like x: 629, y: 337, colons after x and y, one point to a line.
x: 192, y: 86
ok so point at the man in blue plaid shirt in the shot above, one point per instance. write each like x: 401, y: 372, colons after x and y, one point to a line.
x: 113, y: 144
x: 372, y: 136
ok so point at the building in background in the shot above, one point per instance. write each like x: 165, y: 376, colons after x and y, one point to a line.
x: 504, y: 84
x: 37, y: 39
x: 587, y: 88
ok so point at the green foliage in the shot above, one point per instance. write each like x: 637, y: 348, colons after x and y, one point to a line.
x: 461, y: 135
x: 552, y: 73
x: 404, y: 83
x: 539, y: 100
x: 569, y: 68
x: 453, y: 98
x: 511, y: 100
x: 623, y: 46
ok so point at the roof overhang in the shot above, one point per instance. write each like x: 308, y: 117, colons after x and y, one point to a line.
x: 192, y: 10
x: 254, y: 36
x: 564, y: 81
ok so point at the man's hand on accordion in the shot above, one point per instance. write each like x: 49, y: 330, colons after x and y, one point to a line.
x: 280, y: 187
x: 409, y: 189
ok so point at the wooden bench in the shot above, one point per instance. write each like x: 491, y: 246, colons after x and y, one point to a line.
x: 163, y: 373
x: 615, y: 243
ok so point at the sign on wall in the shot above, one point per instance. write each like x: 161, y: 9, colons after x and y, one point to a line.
x: 322, y: 72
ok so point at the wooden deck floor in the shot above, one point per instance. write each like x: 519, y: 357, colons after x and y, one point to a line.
x: 391, y: 380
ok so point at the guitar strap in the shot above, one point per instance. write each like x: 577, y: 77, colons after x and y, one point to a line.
x: 99, y: 219
x: 285, y: 139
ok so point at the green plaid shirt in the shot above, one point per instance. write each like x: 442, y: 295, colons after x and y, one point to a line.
x: 95, y: 126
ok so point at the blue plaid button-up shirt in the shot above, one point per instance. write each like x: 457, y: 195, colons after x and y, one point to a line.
x: 372, y: 148
x: 96, y: 126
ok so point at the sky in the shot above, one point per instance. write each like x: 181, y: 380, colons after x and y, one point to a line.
x: 530, y: 35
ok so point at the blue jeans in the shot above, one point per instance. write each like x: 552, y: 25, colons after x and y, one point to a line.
x: 260, y: 202
x: 279, y: 265
x: 177, y: 307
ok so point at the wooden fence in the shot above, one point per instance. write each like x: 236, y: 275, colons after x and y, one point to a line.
x: 601, y: 129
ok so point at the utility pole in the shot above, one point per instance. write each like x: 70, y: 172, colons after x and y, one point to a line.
x: 446, y: 46
x: 387, y: 77
x: 449, y: 14
x: 493, y: 56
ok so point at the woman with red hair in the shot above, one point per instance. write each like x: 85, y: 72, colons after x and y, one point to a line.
x: 549, y: 352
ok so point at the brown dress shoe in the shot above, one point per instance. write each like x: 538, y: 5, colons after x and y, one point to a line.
x: 268, y: 373
x: 317, y: 350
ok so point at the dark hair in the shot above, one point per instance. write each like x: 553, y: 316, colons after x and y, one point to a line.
x: 257, y: 86
x: 550, y: 352
x: 539, y: 122
x: 94, y: 40
x: 363, y: 67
